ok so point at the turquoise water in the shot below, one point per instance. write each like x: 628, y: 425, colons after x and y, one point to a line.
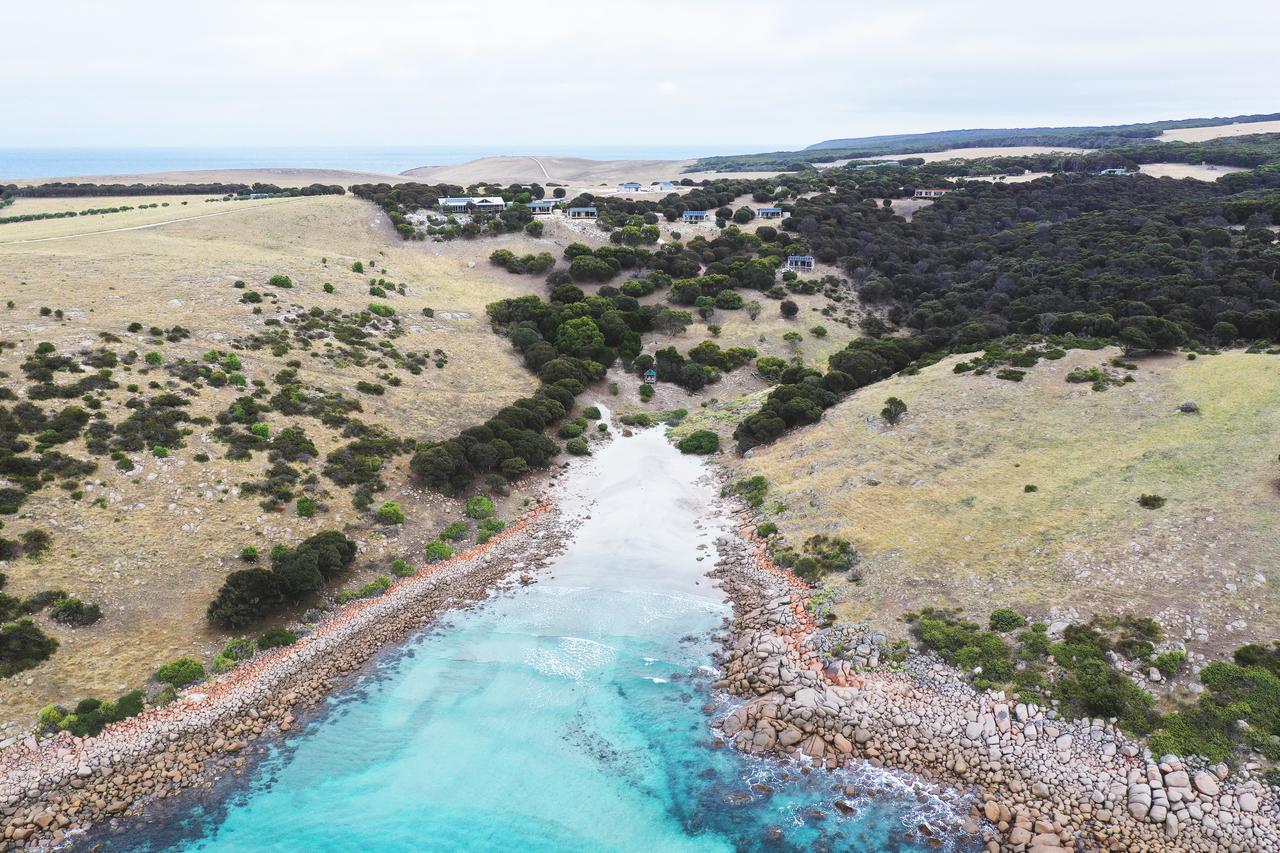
x: 565, y: 716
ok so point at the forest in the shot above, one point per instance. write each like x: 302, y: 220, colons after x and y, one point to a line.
x: 1104, y: 137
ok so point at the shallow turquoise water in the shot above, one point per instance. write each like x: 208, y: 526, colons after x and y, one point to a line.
x: 564, y: 716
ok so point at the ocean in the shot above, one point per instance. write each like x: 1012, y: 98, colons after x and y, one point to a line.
x: 20, y: 163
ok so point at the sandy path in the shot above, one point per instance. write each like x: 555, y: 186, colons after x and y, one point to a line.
x: 136, y: 227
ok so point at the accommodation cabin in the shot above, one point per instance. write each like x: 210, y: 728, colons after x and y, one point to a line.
x: 933, y: 192
x: 1114, y: 172
x: 695, y: 216
x: 582, y: 213
x: 651, y: 377
x: 665, y: 186
x: 769, y: 212
x: 541, y: 207
x: 469, y: 204
x: 800, y: 263
x: 630, y: 187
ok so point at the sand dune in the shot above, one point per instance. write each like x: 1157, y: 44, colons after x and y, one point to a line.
x: 280, y: 177
x: 1200, y: 134
x: 565, y: 170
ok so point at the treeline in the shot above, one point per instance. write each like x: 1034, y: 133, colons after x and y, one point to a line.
x: 250, y: 594
x: 74, y: 190
x: 1104, y: 136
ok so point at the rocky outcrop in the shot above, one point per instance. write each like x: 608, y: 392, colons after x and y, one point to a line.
x: 1045, y: 783
x: 49, y: 788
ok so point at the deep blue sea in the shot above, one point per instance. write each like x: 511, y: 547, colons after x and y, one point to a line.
x: 563, y: 716
x: 16, y: 163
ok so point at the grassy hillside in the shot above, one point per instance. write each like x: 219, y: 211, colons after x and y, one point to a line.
x: 937, y: 505
x: 152, y: 544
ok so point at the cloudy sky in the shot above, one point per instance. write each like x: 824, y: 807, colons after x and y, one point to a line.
x: 741, y: 75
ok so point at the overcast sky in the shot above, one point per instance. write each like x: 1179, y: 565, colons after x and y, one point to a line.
x: 738, y: 74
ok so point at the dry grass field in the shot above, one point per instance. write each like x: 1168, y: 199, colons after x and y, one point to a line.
x: 157, y: 545
x: 937, y: 505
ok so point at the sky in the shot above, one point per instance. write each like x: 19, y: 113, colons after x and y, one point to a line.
x: 743, y: 75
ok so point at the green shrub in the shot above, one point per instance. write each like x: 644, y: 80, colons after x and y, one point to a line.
x: 963, y: 644
x: 401, y: 569
x: 577, y: 446
x: 280, y: 281
x: 1030, y: 487
x: 752, y: 490
x: 592, y: 412
x: 357, y: 266
x: 893, y: 410
x: 1151, y: 501
x: 1169, y: 663
x: 160, y: 451
x: 153, y: 358
x: 766, y: 529
x: 73, y: 611
x: 22, y: 646
x: 261, y: 429
x: 479, y: 507
x: 699, y: 442
x: 390, y: 513
x: 1005, y: 620
x: 571, y: 430
x: 438, y: 550
x: 646, y: 393
x: 221, y: 664
x: 238, y: 649
x: 306, y: 506
x: 381, y: 310
x: 1010, y: 374
x: 274, y: 637
x: 372, y: 589
x: 249, y: 554
x: 181, y: 672
x: 456, y: 531
x: 328, y: 288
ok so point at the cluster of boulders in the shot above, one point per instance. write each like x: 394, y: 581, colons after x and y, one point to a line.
x: 1044, y: 782
x: 51, y: 787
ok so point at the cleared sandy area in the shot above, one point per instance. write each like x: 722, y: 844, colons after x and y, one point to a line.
x: 968, y: 154
x: 1199, y: 171
x: 1201, y: 134
x: 280, y: 177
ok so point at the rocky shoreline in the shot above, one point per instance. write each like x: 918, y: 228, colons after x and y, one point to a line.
x: 55, y: 788
x: 1044, y: 783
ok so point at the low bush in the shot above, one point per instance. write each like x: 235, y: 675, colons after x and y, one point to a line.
x: 1169, y: 663
x: 390, y: 513
x: 181, y: 672
x: 751, y: 490
x: 438, y: 550
x: 90, y: 715
x: 699, y: 442
x: 1005, y: 620
x: 372, y: 589
x: 306, y: 507
x: 73, y: 611
x: 401, y: 569
x: 479, y: 507
x: 456, y: 532
x: 22, y: 646
x: 275, y: 637
x: 1151, y: 501
x: 591, y: 412
x: 577, y: 446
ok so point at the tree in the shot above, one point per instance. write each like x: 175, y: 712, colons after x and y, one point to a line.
x: 579, y: 337
x: 789, y: 309
x: 893, y: 410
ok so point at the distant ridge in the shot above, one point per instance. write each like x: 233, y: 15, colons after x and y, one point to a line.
x: 1088, y: 136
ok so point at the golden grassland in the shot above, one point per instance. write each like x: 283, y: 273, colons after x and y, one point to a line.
x: 172, y: 528
x: 937, y: 505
